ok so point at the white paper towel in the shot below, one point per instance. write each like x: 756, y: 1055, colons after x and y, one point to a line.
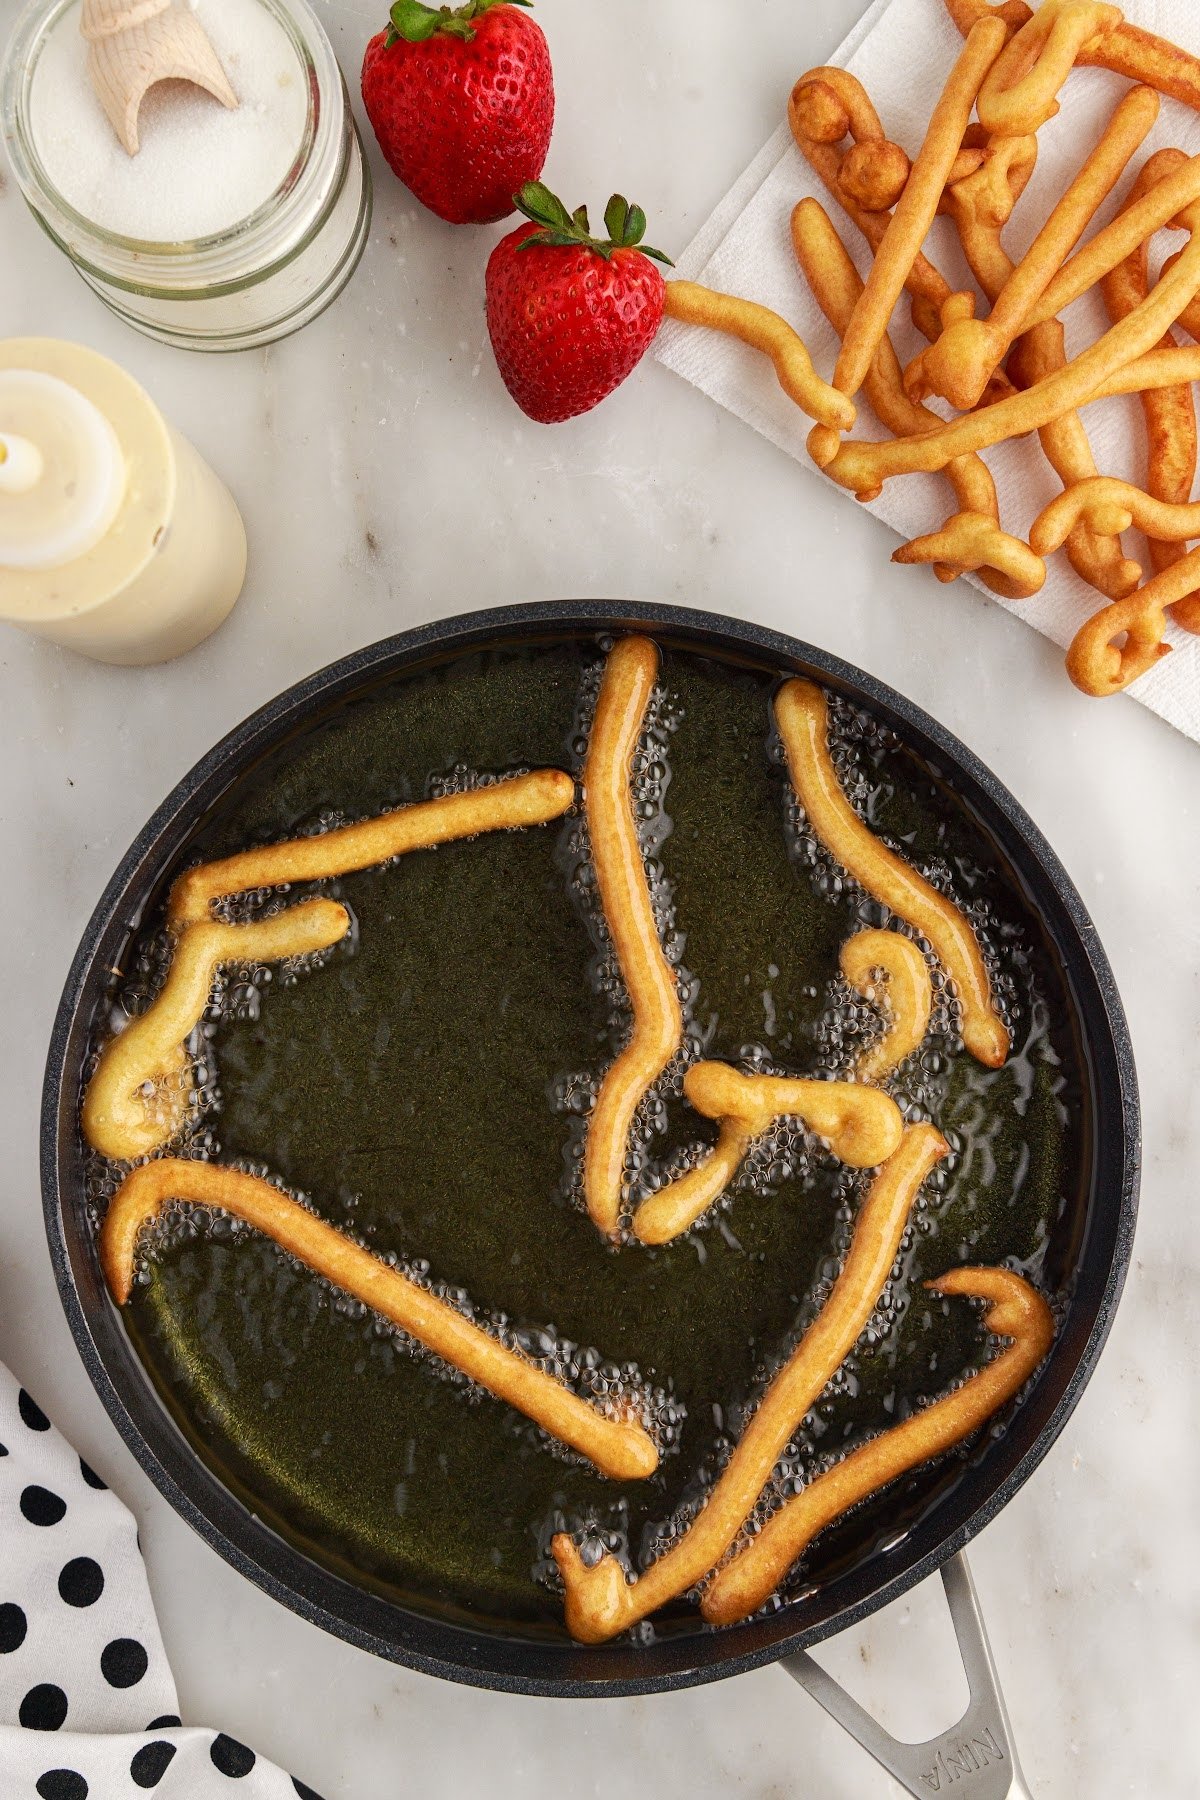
x: 902, y: 51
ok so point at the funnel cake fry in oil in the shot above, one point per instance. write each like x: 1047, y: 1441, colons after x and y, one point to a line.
x: 905, y: 996
x: 519, y: 800
x: 862, y: 1127
x: 137, y: 1100
x: 625, y: 692
x: 1014, y: 1310
x: 620, y: 1448
x: 802, y: 714
x: 600, y: 1601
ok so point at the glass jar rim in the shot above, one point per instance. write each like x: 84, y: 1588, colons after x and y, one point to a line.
x: 269, y: 235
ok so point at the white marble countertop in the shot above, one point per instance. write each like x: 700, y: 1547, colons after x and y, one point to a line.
x: 386, y: 480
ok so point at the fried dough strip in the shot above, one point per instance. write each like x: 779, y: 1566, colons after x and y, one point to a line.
x: 802, y: 714
x: 1171, y: 199
x: 138, y: 1096
x: 972, y: 542
x: 1170, y: 413
x: 824, y: 107
x: 1108, y: 499
x: 905, y: 994
x: 972, y: 538
x: 1097, y: 665
x: 981, y: 204
x: 762, y: 329
x: 618, y: 1447
x: 506, y: 805
x: 1156, y: 369
x: 863, y: 467
x: 625, y: 897
x: 1094, y: 663
x: 1015, y: 1311
x: 965, y: 357
x: 1097, y: 557
x: 917, y: 206
x: 1020, y: 91
x: 965, y: 13
x: 1189, y: 318
x: 1126, y: 49
x: 600, y: 1601
x: 862, y: 1126
x: 1144, y: 56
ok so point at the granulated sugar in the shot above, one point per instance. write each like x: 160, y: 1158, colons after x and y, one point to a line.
x: 201, y: 167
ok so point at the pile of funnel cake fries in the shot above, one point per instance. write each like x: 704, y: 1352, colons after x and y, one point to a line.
x: 139, y: 1100
x: 997, y: 356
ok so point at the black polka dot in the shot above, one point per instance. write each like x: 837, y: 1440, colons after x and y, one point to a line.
x: 32, y: 1413
x: 305, y: 1792
x: 163, y: 1724
x: 44, y: 1708
x: 13, y: 1626
x: 91, y: 1477
x: 81, y: 1582
x: 150, y: 1764
x: 62, y: 1784
x: 123, y: 1662
x: 41, y: 1507
x: 230, y: 1757
x: 3, y: 1449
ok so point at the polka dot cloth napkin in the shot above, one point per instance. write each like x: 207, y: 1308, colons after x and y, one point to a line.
x: 87, y: 1700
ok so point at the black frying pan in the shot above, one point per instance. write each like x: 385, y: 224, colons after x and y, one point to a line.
x: 1103, y: 1232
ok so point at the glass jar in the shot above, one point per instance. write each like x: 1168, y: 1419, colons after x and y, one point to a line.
x: 250, y: 283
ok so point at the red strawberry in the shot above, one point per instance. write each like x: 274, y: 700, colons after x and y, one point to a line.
x: 462, y: 103
x: 570, y: 315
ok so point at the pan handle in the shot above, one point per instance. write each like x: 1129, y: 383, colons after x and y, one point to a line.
x: 977, y: 1752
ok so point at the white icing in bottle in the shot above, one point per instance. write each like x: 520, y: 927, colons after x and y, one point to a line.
x: 63, y: 476
x: 116, y: 539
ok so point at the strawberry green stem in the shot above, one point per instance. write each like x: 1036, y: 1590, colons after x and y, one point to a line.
x: 414, y: 23
x: 625, y: 224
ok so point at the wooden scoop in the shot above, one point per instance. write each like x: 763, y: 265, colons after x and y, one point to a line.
x: 132, y: 44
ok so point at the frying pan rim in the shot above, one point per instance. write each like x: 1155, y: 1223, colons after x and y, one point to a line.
x: 355, y: 1613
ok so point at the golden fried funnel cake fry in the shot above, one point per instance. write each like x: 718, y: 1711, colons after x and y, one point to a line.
x: 1156, y: 369
x: 1189, y: 318
x: 826, y: 106
x: 917, y: 206
x: 1170, y: 201
x: 1109, y: 500
x: 763, y: 330
x: 532, y: 799
x: 802, y: 715
x: 1169, y: 413
x: 965, y: 13
x: 971, y: 542
x: 1020, y: 91
x: 972, y: 538
x: 1126, y: 49
x: 1099, y: 666
x: 862, y: 1127
x: 905, y: 994
x: 138, y: 1097
x: 965, y: 357
x: 1094, y: 663
x: 863, y: 467
x: 981, y: 202
x: 620, y: 1448
x: 625, y: 897
x: 1015, y: 1311
x: 600, y: 1600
